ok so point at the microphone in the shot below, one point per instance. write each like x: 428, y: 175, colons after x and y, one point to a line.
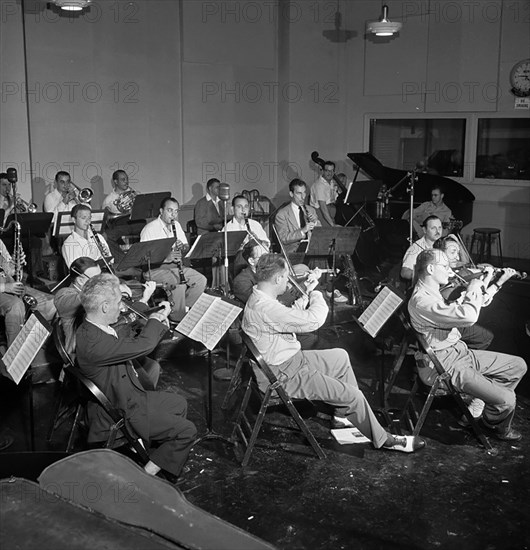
x: 224, y: 191
x: 12, y: 176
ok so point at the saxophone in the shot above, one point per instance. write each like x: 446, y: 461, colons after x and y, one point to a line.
x: 182, y: 277
x: 18, y: 254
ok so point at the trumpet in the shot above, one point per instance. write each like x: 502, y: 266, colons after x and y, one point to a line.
x: 81, y: 196
x: 23, y: 206
x: 125, y: 201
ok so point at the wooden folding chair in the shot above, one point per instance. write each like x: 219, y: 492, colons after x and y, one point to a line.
x: 442, y: 385
x: 246, y: 434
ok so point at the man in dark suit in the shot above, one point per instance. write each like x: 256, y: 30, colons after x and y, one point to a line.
x: 209, y: 211
x: 105, y: 358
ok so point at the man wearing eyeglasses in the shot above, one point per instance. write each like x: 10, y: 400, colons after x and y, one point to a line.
x: 485, y: 375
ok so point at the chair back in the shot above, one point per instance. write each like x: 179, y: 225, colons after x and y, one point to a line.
x: 258, y: 358
x: 59, y: 340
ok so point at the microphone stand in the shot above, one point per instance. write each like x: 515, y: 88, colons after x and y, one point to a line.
x: 410, y: 190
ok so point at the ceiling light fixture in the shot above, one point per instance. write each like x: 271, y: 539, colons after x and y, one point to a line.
x: 72, y: 5
x: 383, y: 27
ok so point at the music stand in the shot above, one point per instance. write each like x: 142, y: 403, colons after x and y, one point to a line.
x: 210, y: 244
x: 147, y: 205
x: 362, y: 191
x: 333, y: 241
x: 36, y: 225
x: 64, y: 224
x: 146, y: 252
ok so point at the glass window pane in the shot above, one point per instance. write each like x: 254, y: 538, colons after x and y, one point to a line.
x: 503, y: 148
x: 435, y: 146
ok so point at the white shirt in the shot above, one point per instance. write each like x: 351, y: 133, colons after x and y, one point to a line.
x: 214, y: 201
x: 255, y: 228
x: 53, y: 202
x: 157, y: 229
x: 108, y: 203
x: 75, y: 246
x: 296, y: 210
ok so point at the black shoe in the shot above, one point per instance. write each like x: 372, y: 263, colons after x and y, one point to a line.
x: 508, y: 434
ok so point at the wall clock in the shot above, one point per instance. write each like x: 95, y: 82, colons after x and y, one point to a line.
x: 520, y: 78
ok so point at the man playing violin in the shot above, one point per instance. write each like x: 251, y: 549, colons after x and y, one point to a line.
x: 183, y: 295
x: 488, y: 376
x: 105, y: 356
x: 324, y: 375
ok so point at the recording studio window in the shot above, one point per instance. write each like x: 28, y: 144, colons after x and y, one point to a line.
x: 435, y: 146
x: 503, y: 148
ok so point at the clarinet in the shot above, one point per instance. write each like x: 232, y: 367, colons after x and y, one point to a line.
x: 104, y: 250
x: 182, y: 277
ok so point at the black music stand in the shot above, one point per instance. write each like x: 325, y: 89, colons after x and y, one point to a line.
x: 361, y: 193
x: 32, y: 225
x: 333, y: 241
x: 212, y: 244
x: 147, y: 206
x: 64, y: 224
x: 146, y: 253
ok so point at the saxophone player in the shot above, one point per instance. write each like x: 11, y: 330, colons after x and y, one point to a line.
x: 163, y: 227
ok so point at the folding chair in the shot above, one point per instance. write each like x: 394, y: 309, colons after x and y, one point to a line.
x: 68, y: 401
x: 246, y: 434
x: 442, y: 385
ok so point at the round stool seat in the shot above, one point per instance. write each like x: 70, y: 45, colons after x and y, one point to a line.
x: 487, y: 230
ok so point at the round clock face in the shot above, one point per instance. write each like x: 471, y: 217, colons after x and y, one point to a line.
x: 520, y: 78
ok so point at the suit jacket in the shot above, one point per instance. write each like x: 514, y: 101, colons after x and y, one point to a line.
x: 288, y: 228
x: 107, y: 362
x: 206, y: 215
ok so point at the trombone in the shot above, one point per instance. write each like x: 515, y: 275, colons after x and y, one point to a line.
x: 81, y: 196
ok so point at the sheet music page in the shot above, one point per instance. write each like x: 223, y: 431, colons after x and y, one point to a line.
x: 195, y: 243
x: 217, y: 321
x: 379, y: 311
x: 208, y: 319
x: 25, y: 347
x: 190, y: 325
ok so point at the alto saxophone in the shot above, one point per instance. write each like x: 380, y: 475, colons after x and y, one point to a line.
x: 182, y: 277
x: 18, y: 252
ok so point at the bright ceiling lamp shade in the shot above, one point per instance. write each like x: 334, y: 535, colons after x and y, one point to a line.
x: 72, y: 5
x: 383, y: 27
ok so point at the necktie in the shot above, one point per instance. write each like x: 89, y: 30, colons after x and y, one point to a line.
x: 302, y: 218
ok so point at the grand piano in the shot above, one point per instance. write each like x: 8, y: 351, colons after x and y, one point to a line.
x: 457, y: 197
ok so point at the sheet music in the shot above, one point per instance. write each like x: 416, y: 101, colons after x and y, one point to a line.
x: 379, y: 311
x: 25, y: 347
x: 207, y: 321
x: 195, y: 243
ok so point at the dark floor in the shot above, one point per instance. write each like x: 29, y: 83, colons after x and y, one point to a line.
x: 450, y: 495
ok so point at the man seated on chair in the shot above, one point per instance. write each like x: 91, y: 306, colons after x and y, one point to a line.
x: 434, y: 207
x: 184, y: 295
x: 63, y: 197
x: 12, y: 308
x: 67, y: 300
x: 488, y: 376
x: 432, y: 231
x: 105, y: 357
x: 324, y: 375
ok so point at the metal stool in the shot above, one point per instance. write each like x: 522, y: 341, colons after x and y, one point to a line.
x: 484, y: 235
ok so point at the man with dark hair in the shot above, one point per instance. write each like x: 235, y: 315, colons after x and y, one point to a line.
x: 323, y: 195
x: 63, y: 197
x: 120, y: 185
x: 324, y: 375
x: 432, y: 231
x: 434, y: 207
x: 295, y: 221
x: 184, y: 295
x: 485, y: 375
x: 245, y: 281
x: 209, y: 210
x: 82, y: 241
x: 105, y: 356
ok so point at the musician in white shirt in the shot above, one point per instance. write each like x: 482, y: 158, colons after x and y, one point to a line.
x: 184, y: 295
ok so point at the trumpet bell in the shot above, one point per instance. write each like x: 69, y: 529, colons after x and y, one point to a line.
x: 86, y: 194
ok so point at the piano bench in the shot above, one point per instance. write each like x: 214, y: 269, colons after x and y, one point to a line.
x: 483, y: 236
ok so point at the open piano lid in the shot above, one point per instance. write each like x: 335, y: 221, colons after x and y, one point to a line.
x: 456, y: 196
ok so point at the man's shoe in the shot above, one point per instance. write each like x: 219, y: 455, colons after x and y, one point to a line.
x: 339, y: 422
x: 406, y: 444
x: 476, y: 406
x: 338, y: 297
x: 508, y: 434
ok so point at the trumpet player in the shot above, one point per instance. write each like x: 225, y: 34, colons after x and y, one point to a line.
x: 8, y: 203
x: 82, y: 240
x: 172, y: 270
x: 63, y: 197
